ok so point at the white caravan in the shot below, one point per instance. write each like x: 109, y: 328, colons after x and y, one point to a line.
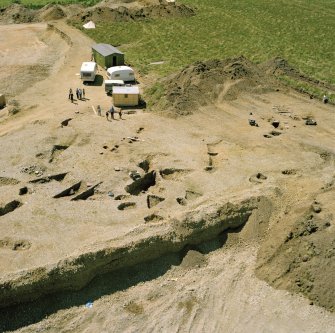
x: 109, y: 84
x: 123, y: 73
x: 88, y: 71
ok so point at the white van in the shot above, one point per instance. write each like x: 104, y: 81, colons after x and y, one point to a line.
x: 109, y: 84
x: 88, y: 71
x: 124, y: 73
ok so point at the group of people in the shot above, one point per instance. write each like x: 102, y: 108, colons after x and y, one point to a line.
x: 110, y: 112
x: 80, y: 93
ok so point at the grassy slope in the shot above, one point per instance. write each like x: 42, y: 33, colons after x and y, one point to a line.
x: 300, y: 31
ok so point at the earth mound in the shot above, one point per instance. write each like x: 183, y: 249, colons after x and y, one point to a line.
x: 121, y: 13
x: 210, y: 81
x: 51, y: 12
x: 17, y: 13
x: 281, y: 68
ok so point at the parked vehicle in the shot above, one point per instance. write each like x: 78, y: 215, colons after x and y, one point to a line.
x: 109, y: 84
x: 88, y: 71
x: 124, y: 73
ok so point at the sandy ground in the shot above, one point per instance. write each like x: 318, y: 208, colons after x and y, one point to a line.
x: 220, y: 292
x: 215, y: 293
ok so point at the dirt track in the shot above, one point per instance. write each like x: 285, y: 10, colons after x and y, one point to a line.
x: 204, y: 160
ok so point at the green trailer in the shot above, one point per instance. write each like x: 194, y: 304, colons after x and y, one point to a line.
x: 107, y: 55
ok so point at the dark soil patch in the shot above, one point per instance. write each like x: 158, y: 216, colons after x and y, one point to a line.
x: 10, y: 207
x: 289, y: 172
x: 153, y: 218
x: 56, y: 150
x: 142, y: 184
x: 191, y: 195
x: 8, y: 181
x: 126, y: 205
x: 58, y: 177
x: 171, y: 173
x: 86, y: 194
x: 144, y: 165
x: 257, y: 178
x: 122, y: 197
x: 182, y: 201
x: 65, y: 122
x: 275, y: 133
x: 134, y: 308
x: 23, y: 190
x: 153, y: 200
x: 69, y: 191
x: 15, y: 245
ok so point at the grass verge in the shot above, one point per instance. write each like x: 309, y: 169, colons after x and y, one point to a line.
x: 298, y: 31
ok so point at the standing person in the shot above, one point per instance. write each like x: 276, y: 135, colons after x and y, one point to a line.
x: 120, y: 113
x: 77, y: 93
x: 71, y: 96
x: 99, y: 110
x: 70, y: 92
x: 84, y: 93
x: 107, y: 115
x: 111, y: 111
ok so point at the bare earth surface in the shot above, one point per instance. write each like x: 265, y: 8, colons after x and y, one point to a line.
x: 170, y: 264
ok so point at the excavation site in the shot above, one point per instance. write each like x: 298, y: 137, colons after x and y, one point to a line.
x: 207, y: 207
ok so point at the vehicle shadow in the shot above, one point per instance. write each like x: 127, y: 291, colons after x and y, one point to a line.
x: 99, y: 80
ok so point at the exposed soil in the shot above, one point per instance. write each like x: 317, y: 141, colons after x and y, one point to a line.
x: 107, y: 14
x: 214, y: 81
x: 200, y: 225
x: 279, y: 66
x: 301, y: 258
x: 122, y: 11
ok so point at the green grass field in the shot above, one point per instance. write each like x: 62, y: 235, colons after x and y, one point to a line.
x: 301, y: 31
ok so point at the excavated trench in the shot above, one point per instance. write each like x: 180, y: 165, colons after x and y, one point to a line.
x: 69, y: 191
x: 55, y: 151
x: 86, y: 194
x: 142, y: 184
x: 58, y: 177
x: 120, y: 263
x: 10, y: 207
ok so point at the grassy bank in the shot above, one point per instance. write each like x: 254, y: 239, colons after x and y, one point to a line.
x: 300, y: 31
